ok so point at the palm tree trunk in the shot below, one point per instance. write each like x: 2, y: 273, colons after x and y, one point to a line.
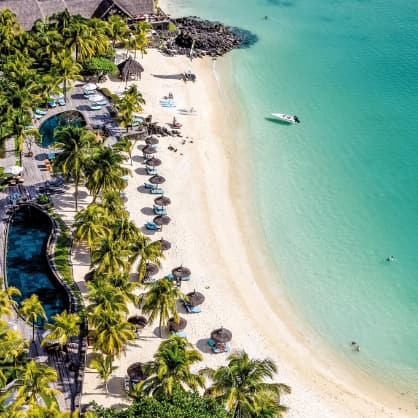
x: 33, y: 332
x: 161, y: 323
x: 65, y: 89
x: 76, y: 196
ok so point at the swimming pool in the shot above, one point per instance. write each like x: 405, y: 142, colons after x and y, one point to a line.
x: 26, y: 263
x: 71, y: 117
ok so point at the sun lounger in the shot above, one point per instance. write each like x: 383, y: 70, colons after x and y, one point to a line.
x: 179, y: 334
x: 150, y: 186
x: 29, y: 127
x: 217, y: 350
x: 51, y: 103
x: 152, y: 226
x: 160, y: 211
x: 38, y: 116
x: 102, y: 102
x: 41, y: 112
x: 151, y: 171
x: 192, y: 309
x: 157, y: 191
x: 95, y: 106
x: 211, y: 342
x: 61, y: 101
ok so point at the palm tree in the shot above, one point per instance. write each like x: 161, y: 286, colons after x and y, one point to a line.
x: 160, y: 300
x: 113, y: 205
x: 32, y: 310
x: 91, y: 225
x: 65, y: 326
x: 9, y: 28
x: 104, y: 172
x: 267, y: 405
x: 6, y: 300
x: 66, y: 69
x: 125, y: 145
x: 103, y: 365
x: 62, y: 20
x: 111, y: 255
x: 125, y: 230
x: 79, y: 38
x: 140, y: 38
x: 122, y: 282
x: 36, y: 378
x: 147, y: 251
x: 171, y: 368
x: 241, y: 383
x: 75, y: 144
x: 111, y: 331
x: 130, y: 103
x: 117, y: 29
x: 103, y: 295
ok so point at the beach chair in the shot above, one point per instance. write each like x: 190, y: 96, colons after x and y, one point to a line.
x: 218, y: 350
x: 157, y: 191
x: 192, y: 309
x: 179, y: 334
x: 170, y: 276
x: 41, y: 112
x: 151, y: 171
x: 211, y: 342
x: 51, y: 103
x: 29, y: 127
x: 95, y: 106
x: 102, y: 102
x: 152, y: 226
x: 38, y: 116
x: 160, y: 211
x: 150, y: 186
x: 61, y: 101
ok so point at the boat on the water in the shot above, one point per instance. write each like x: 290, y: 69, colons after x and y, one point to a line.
x: 286, y: 118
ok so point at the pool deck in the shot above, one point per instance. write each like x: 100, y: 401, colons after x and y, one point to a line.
x: 35, y: 174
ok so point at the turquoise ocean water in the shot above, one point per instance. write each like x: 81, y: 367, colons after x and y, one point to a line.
x: 338, y: 193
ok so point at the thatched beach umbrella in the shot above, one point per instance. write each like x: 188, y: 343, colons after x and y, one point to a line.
x: 155, y: 162
x: 195, y: 298
x: 156, y: 179
x: 181, y: 272
x: 175, y: 326
x: 151, y: 269
x: 129, y: 68
x: 135, y: 372
x: 149, y: 150
x: 162, y: 220
x: 152, y: 141
x: 162, y: 201
x: 221, y: 335
x: 138, y: 320
x: 165, y: 245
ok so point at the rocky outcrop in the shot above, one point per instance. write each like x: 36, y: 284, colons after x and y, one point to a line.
x: 203, y: 37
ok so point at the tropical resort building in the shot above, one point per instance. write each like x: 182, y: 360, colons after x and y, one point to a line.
x: 29, y: 11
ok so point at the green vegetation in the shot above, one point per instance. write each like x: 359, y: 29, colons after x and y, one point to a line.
x: 43, y: 199
x: 181, y: 404
x: 99, y: 66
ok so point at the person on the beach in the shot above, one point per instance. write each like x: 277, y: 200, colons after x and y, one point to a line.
x: 170, y: 95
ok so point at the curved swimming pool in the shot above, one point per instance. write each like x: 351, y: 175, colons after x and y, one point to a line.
x: 26, y: 262
x: 71, y: 117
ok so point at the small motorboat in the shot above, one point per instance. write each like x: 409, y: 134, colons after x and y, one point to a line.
x: 286, y: 118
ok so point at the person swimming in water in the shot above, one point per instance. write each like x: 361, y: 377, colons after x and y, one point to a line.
x: 391, y: 258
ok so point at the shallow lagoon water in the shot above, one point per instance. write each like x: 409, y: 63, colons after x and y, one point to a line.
x: 338, y: 193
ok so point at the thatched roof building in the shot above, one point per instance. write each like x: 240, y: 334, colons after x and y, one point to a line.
x: 130, y: 69
x: 28, y: 11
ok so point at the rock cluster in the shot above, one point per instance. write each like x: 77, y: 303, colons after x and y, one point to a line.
x: 203, y: 37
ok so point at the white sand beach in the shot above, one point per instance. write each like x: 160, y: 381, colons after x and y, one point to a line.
x: 212, y: 234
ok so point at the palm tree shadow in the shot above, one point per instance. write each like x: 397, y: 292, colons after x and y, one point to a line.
x: 278, y: 121
x: 156, y: 332
x: 115, y: 385
x: 203, y: 346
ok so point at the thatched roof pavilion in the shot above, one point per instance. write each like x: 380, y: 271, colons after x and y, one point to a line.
x: 130, y: 68
x: 28, y: 11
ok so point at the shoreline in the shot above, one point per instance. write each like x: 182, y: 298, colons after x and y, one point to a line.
x: 206, y: 219
x: 355, y: 383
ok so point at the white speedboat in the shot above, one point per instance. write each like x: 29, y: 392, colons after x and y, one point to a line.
x: 286, y: 118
